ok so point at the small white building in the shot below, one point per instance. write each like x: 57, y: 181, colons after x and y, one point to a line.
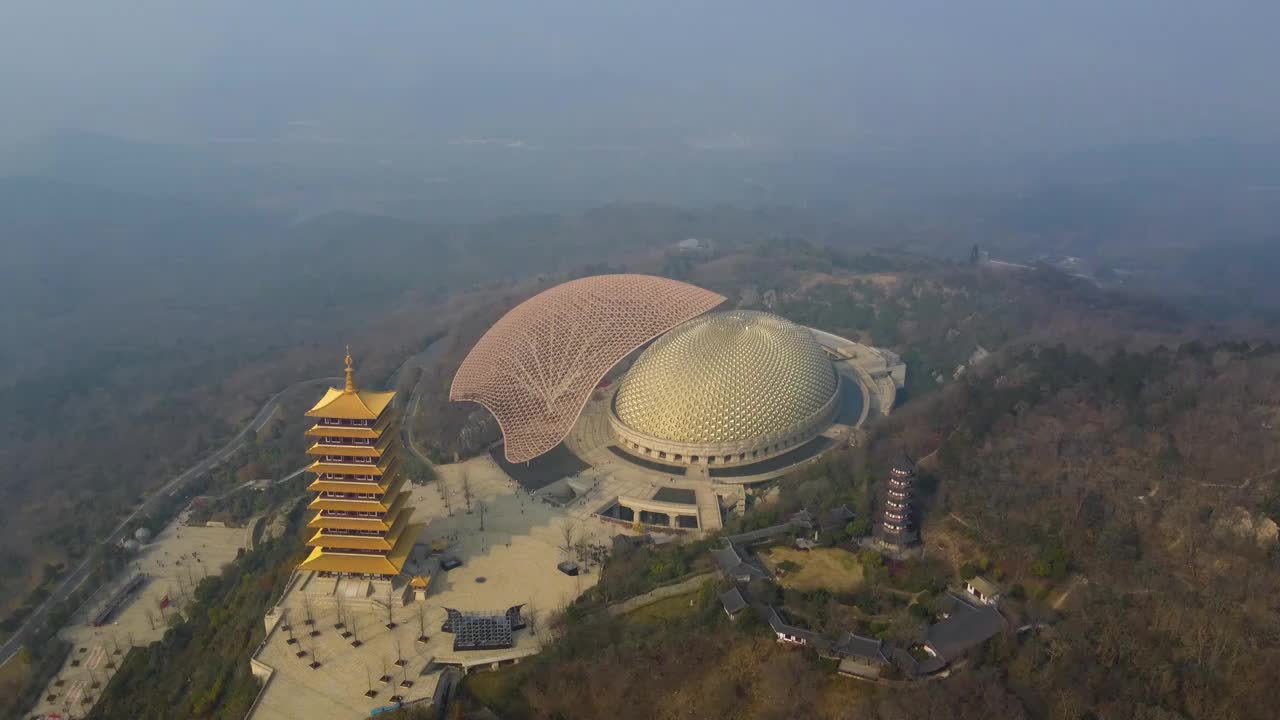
x: 982, y: 589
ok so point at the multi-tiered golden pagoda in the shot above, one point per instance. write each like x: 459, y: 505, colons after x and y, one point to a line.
x: 362, y: 524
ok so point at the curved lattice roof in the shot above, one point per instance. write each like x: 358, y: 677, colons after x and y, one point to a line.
x: 727, y: 377
x: 536, y: 367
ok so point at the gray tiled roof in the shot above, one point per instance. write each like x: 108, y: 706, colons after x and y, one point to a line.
x: 967, y: 628
x: 734, y: 565
x: 859, y: 646
x: 804, y: 518
x: 837, y: 516
x: 810, y: 638
x: 733, y: 601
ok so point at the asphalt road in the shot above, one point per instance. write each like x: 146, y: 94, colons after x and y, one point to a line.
x: 72, y: 581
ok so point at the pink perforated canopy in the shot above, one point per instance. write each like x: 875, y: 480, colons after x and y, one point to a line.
x: 536, y: 367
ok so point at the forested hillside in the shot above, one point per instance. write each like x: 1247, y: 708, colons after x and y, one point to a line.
x: 1121, y: 482
x: 1146, y: 485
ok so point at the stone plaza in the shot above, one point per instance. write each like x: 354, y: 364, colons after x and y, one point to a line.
x: 509, y: 545
x: 173, y: 563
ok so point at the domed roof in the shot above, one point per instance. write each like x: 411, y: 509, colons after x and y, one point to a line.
x: 726, y: 377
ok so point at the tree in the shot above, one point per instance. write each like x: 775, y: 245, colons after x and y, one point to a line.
x: 531, y: 617
x: 858, y: 527
x: 568, y: 535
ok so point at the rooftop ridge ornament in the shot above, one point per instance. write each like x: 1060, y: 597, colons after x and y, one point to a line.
x: 351, y: 374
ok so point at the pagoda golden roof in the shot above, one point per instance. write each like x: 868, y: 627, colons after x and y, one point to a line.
x: 362, y: 542
x: 380, y: 468
x: 342, y: 431
x: 347, y: 505
x: 366, y: 451
x: 354, y: 542
x: 351, y: 403
x: 348, y: 523
x: 347, y: 431
x: 419, y: 582
x: 398, y: 507
x: 390, y: 483
x: 354, y: 405
x: 321, y: 560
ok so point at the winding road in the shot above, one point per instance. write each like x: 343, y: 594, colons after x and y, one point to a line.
x: 420, y: 360
x: 76, y: 578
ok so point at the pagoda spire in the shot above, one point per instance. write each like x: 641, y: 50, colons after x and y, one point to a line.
x: 351, y: 374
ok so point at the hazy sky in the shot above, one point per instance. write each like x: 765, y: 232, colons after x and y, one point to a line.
x: 1018, y: 73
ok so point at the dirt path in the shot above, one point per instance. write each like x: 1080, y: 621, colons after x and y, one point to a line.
x: 1075, y: 582
x: 1243, y: 483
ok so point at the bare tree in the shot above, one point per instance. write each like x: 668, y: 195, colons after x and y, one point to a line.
x: 151, y: 618
x: 531, y: 617
x: 568, y: 536
x: 422, y: 622
x: 481, y: 507
x: 391, y: 620
x: 466, y: 489
x: 182, y: 589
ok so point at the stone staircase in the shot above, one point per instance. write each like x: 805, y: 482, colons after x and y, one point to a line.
x: 708, y: 509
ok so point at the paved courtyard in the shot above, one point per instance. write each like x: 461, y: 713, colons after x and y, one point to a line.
x: 511, y: 560
x: 175, y: 561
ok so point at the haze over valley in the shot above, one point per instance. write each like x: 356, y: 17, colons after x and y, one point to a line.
x: 1064, y: 223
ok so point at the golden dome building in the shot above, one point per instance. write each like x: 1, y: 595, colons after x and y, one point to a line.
x: 725, y: 389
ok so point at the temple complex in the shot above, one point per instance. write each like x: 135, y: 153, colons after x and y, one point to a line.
x: 362, y: 520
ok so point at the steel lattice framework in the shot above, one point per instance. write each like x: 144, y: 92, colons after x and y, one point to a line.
x: 537, y: 366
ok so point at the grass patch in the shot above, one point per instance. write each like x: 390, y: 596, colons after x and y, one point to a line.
x: 664, y: 611
x: 832, y: 569
x: 15, y: 673
x: 499, y: 690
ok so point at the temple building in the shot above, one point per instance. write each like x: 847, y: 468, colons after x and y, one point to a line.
x: 362, y: 520
x: 895, y: 528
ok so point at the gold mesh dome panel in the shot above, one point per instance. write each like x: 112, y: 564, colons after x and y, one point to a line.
x: 536, y: 367
x: 727, y: 378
